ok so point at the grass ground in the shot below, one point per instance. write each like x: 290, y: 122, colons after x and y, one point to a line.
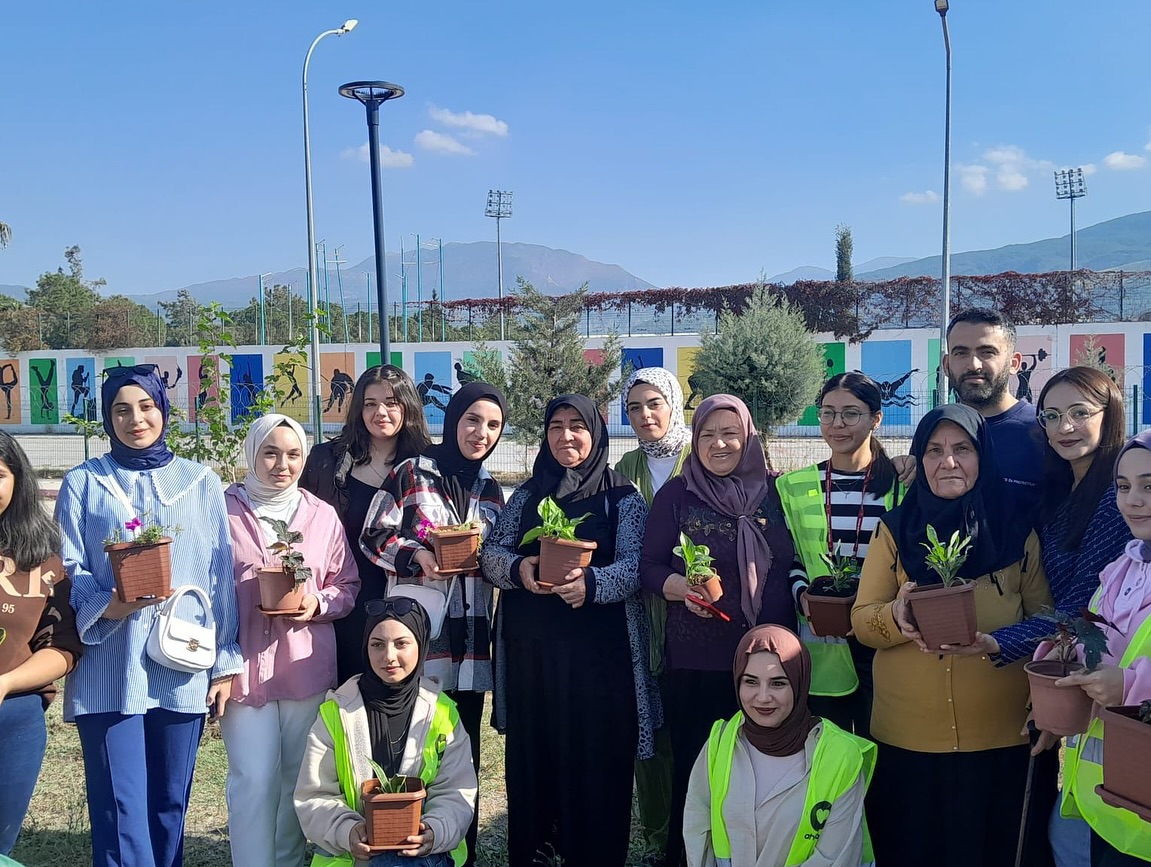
x: 56, y: 832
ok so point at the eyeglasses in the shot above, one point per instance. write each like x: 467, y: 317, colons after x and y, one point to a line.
x: 135, y: 369
x: 1077, y: 416
x: 850, y: 417
x: 398, y: 605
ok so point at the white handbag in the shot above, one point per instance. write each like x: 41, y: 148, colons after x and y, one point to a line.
x: 183, y: 645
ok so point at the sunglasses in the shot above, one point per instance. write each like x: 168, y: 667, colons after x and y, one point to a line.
x: 398, y: 605
x: 135, y: 369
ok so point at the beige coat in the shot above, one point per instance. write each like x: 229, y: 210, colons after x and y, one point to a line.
x: 761, y: 834
x: 328, y: 821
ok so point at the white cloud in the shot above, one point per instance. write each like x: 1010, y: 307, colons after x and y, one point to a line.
x: 1088, y: 169
x: 974, y: 179
x: 1121, y: 161
x: 389, y: 158
x: 924, y: 198
x: 441, y: 142
x: 1147, y: 147
x: 478, y: 124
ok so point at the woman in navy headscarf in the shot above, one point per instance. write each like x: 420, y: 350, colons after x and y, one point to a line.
x: 139, y: 721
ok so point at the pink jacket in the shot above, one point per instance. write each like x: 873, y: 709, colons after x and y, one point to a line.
x: 1126, y: 602
x: 284, y: 659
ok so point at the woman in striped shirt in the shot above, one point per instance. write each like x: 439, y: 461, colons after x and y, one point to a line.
x: 140, y: 722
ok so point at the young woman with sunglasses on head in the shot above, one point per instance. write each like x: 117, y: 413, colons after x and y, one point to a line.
x: 385, y: 426
x: 407, y: 725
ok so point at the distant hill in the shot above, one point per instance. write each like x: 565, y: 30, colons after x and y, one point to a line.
x: 1124, y: 242
x: 17, y: 292
x: 814, y: 272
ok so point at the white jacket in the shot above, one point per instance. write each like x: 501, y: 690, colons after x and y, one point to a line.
x: 328, y: 821
x: 761, y: 834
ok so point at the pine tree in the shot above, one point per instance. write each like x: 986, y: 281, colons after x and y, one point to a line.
x: 843, y: 252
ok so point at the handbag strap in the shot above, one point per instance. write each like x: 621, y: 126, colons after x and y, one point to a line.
x: 169, y: 607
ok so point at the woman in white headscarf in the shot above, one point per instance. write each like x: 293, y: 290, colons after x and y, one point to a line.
x: 290, y: 659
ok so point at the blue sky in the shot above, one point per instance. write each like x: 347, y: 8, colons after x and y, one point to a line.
x: 693, y: 144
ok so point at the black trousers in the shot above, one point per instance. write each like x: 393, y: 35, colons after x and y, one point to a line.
x: 471, y: 708
x: 1103, y: 854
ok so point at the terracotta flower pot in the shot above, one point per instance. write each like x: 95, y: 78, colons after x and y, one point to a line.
x: 711, y: 589
x: 1064, y: 710
x: 830, y: 615
x: 456, y: 550
x: 560, y: 556
x: 141, y: 571
x: 1126, y: 761
x: 392, y: 818
x: 278, y: 592
x: 944, y: 615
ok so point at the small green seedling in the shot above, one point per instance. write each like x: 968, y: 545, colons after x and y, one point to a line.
x: 386, y: 785
x: 291, y: 559
x: 697, y: 561
x: 556, y: 525
x: 946, y: 559
x: 843, y: 577
x: 1081, y: 630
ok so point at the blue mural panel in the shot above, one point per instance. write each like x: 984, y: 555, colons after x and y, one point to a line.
x: 634, y: 359
x: 83, y: 387
x: 434, y: 384
x: 888, y: 362
x: 247, y: 381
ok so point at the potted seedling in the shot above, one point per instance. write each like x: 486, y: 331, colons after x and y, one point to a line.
x: 697, y: 568
x: 945, y: 613
x: 391, y: 808
x: 560, y: 550
x: 1127, y: 758
x: 456, y: 546
x: 282, y: 587
x: 141, y: 560
x: 1066, y: 711
x: 830, y: 597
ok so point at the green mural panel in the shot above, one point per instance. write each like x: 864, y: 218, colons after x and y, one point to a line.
x: 374, y: 359
x: 43, y: 391
x: 835, y: 360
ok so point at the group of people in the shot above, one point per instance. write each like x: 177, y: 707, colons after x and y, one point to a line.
x: 745, y: 737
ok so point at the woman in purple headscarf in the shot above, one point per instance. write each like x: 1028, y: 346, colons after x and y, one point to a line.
x: 724, y: 500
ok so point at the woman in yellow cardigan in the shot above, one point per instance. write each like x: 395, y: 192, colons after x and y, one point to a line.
x: 952, y: 764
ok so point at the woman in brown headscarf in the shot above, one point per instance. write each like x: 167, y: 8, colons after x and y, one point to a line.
x: 776, y: 785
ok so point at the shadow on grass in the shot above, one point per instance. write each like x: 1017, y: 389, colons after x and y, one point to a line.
x: 46, y: 847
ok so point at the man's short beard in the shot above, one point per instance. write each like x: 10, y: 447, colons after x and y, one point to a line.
x: 978, y: 396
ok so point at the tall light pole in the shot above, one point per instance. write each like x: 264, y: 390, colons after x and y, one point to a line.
x: 945, y: 302
x: 373, y: 94
x: 500, y: 207
x: 317, y: 414
x: 1069, y: 184
x: 263, y: 332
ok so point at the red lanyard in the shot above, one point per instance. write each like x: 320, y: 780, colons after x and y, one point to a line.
x: 859, y: 517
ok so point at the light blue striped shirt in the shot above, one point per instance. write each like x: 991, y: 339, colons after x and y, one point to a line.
x: 116, y: 675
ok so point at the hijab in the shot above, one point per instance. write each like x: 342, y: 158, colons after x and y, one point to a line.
x: 390, y: 706
x: 789, y: 737
x: 987, y: 513
x: 265, y: 499
x: 458, y: 474
x: 1139, y: 441
x: 144, y: 376
x: 737, y: 495
x: 677, y: 435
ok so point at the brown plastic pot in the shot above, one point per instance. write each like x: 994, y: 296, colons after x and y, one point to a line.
x: 278, y: 591
x: 830, y: 615
x: 141, y: 571
x: 559, y: 556
x: 456, y: 550
x: 711, y: 589
x: 1063, y: 710
x: 944, y: 615
x: 1127, y: 760
x: 392, y: 818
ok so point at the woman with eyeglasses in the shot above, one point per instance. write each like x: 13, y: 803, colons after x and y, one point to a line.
x: 446, y: 486
x: 405, y: 723
x: 832, y: 509
x: 385, y: 426
x: 289, y: 659
x: 574, y: 695
x: 140, y: 721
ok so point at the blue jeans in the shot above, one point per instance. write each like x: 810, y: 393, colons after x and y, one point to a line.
x: 23, y: 739
x: 395, y: 859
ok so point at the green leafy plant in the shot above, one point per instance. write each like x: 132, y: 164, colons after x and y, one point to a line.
x: 946, y: 559
x: 843, y: 576
x: 697, y: 561
x: 291, y: 559
x: 141, y: 533
x: 1081, y: 630
x: 387, y: 785
x: 556, y: 525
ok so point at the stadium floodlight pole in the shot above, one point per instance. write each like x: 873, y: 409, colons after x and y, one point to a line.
x: 1069, y: 184
x: 263, y: 332
x: 945, y: 288
x: 373, y: 94
x: 317, y: 414
x: 500, y: 207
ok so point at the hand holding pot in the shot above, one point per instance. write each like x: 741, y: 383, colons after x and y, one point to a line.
x: 426, y: 560
x: 901, y: 614
x: 311, y: 606
x: 118, y: 610
x: 984, y: 645
x: 421, y: 843
x: 574, y: 592
x: 528, y: 566
x: 1104, y: 685
x: 1045, y: 742
x: 358, y: 842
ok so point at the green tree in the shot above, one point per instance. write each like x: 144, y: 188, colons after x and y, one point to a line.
x: 764, y: 355
x: 843, y: 251
x: 19, y: 326
x: 547, y: 359
x: 182, y: 315
x: 66, y: 302
x: 119, y: 322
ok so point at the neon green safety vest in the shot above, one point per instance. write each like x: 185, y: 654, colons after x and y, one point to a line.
x: 839, y: 759
x: 445, y: 717
x: 1083, y: 771
x: 804, y: 504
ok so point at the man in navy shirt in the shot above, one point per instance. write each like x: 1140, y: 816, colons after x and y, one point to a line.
x: 980, y: 360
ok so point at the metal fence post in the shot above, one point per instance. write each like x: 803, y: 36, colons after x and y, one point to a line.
x: 1134, y: 410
